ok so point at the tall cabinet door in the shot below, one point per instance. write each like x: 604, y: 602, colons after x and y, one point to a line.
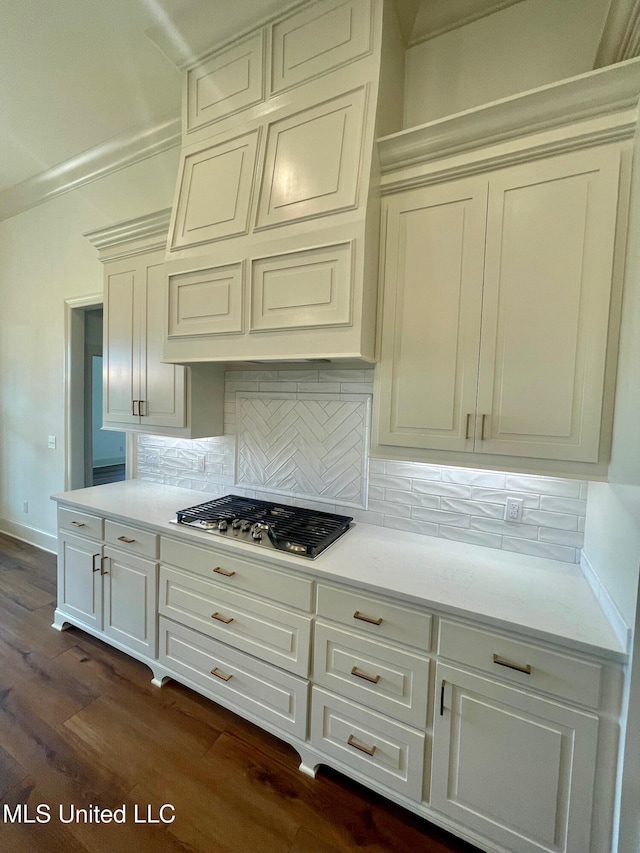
x: 431, y: 315
x: 121, y: 346
x: 162, y: 386
x: 79, y: 581
x: 550, y: 241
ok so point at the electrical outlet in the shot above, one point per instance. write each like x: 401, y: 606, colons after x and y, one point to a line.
x: 513, y: 509
x: 52, y: 442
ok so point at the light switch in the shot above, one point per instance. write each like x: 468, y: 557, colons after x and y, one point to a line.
x: 52, y: 442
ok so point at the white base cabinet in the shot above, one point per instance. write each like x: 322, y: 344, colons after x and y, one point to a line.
x: 505, y: 741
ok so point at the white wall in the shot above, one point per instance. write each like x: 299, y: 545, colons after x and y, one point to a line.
x: 527, y: 45
x: 44, y: 259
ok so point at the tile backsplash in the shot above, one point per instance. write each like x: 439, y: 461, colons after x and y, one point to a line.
x: 464, y: 504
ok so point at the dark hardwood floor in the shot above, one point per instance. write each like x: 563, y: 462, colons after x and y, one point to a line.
x: 82, y: 727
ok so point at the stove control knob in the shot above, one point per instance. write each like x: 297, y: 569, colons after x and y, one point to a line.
x: 257, y: 529
x: 222, y: 526
x: 245, y: 526
x: 256, y: 535
x: 235, y: 524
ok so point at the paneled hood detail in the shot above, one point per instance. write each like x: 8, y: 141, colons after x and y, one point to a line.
x: 273, y: 242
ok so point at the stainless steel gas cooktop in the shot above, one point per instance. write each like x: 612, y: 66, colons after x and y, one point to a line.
x: 304, y: 532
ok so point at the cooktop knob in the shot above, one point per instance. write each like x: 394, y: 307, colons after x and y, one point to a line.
x: 235, y: 524
x: 245, y: 526
x: 222, y: 526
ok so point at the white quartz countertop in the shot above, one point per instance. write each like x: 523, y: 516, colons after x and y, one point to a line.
x: 540, y: 598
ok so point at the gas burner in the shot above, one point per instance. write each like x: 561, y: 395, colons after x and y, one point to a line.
x: 296, y: 530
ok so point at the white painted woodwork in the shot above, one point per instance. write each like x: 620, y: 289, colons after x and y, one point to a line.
x: 514, y: 767
x: 317, y: 39
x: 495, y: 341
x: 375, y: 617
x: 300, y: 289
x: 270, y: 633
x: 129, y: 600
x: 237, y: 573
x: 234, y: 679
x: 548, y: 269
x: 226, y: 83
x: 302, y: 178
x: 135, y: 379
x: 132, y: 540
x: 206, y: 301
x: 559, y: 675
x: 215, y: 185
x: 342, y: 730
x: 80, y: 523
x: 379, y: 676
x: 79, y: 581
x: 433, y: 277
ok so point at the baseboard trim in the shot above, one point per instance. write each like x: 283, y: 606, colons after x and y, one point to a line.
x: 608, y: 605
x: 30, y: 535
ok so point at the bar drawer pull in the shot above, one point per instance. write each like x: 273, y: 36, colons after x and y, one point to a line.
x: 368, y: 750
x: 78, y: 523
x: 374, y: 679
x: 221, y: 618
x: 215, y: 671
x: 95, y: 568
x: 466, y: 429
x: 510, y: 665
x: 103, y: 571
x: 220, y: 571
x: 363, y: 618
x: 442, y: 686
x: 125, y: 539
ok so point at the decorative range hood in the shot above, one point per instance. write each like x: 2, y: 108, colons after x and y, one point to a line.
x: 273, y: 243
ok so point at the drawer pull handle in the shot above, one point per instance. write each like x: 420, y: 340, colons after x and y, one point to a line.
x: 363, y: 618
x: 102, y: 568
x: 95, y: 568
x: 220, y: 571
x: 125, y: 539
x: 442, y: 686
x: 374, y: 679
x: 78, y: 523
x: 215, y: 671
x: 369, y: 750
x: 466, y: 429
x: 221, y: 618
x: 484, y: 423
x: 502, y: 662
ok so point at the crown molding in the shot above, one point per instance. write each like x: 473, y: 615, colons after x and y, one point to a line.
x: 132, y: 236
x: 442, y: 16
x: 118, y: 153
x: 610, y: 94
x: 620, y: 37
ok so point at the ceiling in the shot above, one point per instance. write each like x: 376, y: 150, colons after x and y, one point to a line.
x: 77, y: 73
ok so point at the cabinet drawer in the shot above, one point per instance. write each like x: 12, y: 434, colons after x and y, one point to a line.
x: 385, y: 678
x: 378, y: 748
x: 234, y: 679
x: 538, y: 668
x: 375, y: 616
x: 131, y: 539
x: 238, y: 573
x: 262, y: 629
x: 80, y: 523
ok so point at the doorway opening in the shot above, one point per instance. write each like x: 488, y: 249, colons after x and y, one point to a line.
x: 93, y: 455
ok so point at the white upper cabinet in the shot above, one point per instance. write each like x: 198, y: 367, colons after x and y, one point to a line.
x: 496, y: 310
x: 140, y: 392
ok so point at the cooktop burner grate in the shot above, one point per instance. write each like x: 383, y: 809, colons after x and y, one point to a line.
x: 295, y: 529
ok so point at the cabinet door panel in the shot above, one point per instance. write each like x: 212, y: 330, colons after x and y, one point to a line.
x: 550, y: 238
x: 121, y: 362
x: 130, y: 601
x: 162, y: 385
x: 431, y: 316
x: 79, y: 586
x: 514, y: 767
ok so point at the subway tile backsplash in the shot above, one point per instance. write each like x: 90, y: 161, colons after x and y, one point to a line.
x: 461, y: 504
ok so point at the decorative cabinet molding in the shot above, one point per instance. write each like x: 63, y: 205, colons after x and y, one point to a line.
x: 303, y: 178
x: 318, y: 39
x: 310, y: 288
x: 496, y: 310
x: 225, y: 84
x: 207, y: 302
x: 214, y: 192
